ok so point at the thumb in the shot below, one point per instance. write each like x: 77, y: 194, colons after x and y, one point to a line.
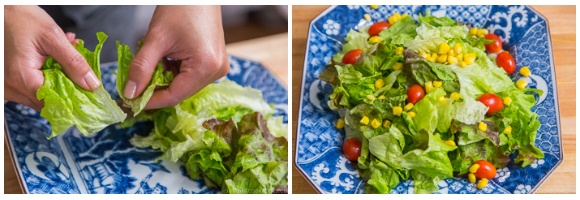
x: 74, y: 65
x: 142, y: 67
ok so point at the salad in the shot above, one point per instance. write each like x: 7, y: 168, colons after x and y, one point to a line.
x: 429, y: 99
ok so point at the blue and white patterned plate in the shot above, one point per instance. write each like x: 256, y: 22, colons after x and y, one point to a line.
x: 106, y: 162
x: 524, y: 32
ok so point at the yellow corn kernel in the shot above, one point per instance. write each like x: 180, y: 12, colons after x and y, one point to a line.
x: 394, y: 18
x: 423, y: 54
x: 409, y: 106
x: 364, y: 120
x: 507, y: 101
x: 471, y: 177
x: 340, y: 123
x: 441, y: 99
x: 450, y: 143
x: 442, y: 58
x: 399, y: 50
x: 437, y: 84
x: 507, y: 130
x: 459, y: 57
x: 404, y: 15
x: 451, y: 52
x: 474, y: 168
x: 428, y: 86
x: 371, y: 97
x: 473, y: 31
x: 481, y: 33
x: 444, y: 48
x: 457, y: 48
x: 469, y: 58
x: 375, y: 39
x: 462, y: 64
x: 482, y: 183
x: 452, y: 59
x: 382, y: 97
x: 386, y: 123
x: 525, y: 71
x: 375, y: 123
x: 521, y: 84
x: 434, y: 57
x: 397, y: 110
x: 412, y: 114
x: 379, y: 83
x: 367, y: 17
x: 482, y: 126
x: 428, y: 57
x: 398, y: 66
x: 455, y: 95
x: 374, y: 6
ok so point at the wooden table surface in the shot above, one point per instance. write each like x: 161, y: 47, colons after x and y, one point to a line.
x: 562, y: 22
x: 271, y: 51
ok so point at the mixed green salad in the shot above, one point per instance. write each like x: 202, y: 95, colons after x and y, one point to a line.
x: 225, y: 134
x: 430, y: 99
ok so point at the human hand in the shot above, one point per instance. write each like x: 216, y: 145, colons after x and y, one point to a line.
x: 30, y: 36
x: 192, y: 35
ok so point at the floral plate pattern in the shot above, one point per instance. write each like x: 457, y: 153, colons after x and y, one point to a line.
x: 525, y: 34
x: 106, y: 162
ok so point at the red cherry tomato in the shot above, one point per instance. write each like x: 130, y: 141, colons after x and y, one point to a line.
x: 351, y: 149
x: 492, y: 101
x: 495, y: 46
x: 376, y: 28
x: 352, y: 56
x: 506, y: 61
x: 486, y: 170
x: 415, y: 93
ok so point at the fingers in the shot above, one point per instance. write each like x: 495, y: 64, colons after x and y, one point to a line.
x: 142, y: 67
x: 75, y: 66
x: 16, y: 96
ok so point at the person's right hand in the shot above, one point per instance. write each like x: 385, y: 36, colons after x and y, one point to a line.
x: 30, y: 36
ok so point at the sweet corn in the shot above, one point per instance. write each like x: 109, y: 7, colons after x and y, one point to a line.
x: 507, y: 130
x: 404, y: 15
x: 462, y: 64
x: 444, y: 48
x: 459, y: 57
x: 521, y: 84
x: 452, y: 59
x: 397, y: 110
x: 398, y: 66
x: 482, y: 126
x: 450, y: 143
x: 471, y: 177
x: 367, y: 17
x: 375, y: 123
x: 437, y: 84
x: 525, y: 71
x: 412, y: 114
x: 386, y: 123
x: 423, y: 54
x: 474, y: 168
x: 340, y: 123
x: 374, y: 6
x: 428, y: 86
x: 399, y: 50
x: 451, y: 52
x: 364, y: 120
x: 409, y: 106
x: 441, y: 99
x: 469, y: 58
x: 507, y: 101
x: 382, y: 97
x: 394, y: 18
x: 379, y: 83
x: 455, y: 95
x: 433, y: 57
x: 481, y: 33
x: 457, y: 48
x: 473, y: 31
x: 371, y: 97
x: 442, y: 58
x: 375, y: 39
x: 482, y: 183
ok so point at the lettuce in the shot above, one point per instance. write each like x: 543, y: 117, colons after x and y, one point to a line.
x: 66, y: 104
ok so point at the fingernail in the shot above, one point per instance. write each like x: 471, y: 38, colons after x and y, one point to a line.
x: 130, y: 89
x: 92, y: 80
x: 126, y: 105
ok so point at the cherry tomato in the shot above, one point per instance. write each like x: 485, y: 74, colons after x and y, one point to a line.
x: 415, y: 94
x: 506, y: 61
x: 495, y: 46
x: 351, y: 149
x: 376, y: 28
x: 352, y: 56
x: 492, y: 101
x: 486, y: 170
